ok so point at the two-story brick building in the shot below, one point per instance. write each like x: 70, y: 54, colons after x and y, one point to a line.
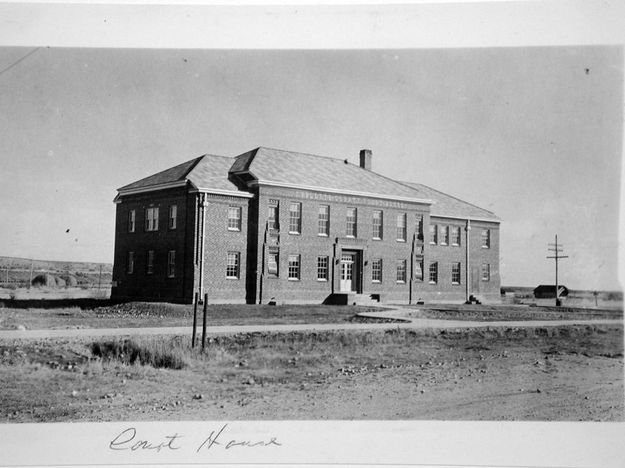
x: 273, y: 225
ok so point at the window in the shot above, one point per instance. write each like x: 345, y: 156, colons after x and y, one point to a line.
x: 433, y: 234
x: 445, y: 235
x: 234, y: 218
x: 419, y: 227
x: 132, y: 216
x: 295, y: 218
x: 273, y: 262
x: 232, y: 265
x: 151, y: 219
x: 376, y: 270
x: 455, y: 273
x: 294, y: 267
x: 324, y: 220
x: 433, y: 273
x: 149, y: 264
x: 401, y: 227
x: 273, y: 218
x: 171, y: 263
x: 130, y: 264
x: 173, y: 214
x: 455, y: 235
x: 378, y: 222
x: 418, y: 269
x: 350, y: 230
x: 401, y: 271
x: 485, y: 272
x: 486, y: 238
x: 322, y: 268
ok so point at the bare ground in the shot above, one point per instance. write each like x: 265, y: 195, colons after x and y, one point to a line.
x: 540, y: 374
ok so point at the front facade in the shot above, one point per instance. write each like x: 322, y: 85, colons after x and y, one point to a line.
x: 277, y: 226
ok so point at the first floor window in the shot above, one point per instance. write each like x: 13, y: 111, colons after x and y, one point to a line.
x: 433, y: 234
x: 455, y: 273
x: 455, y: 235
x: 401, y: 271
x: 171, y: 263
x: 418, y: 269
x: 376, y: 270
x: 351, y: 220
x: 295, y: 218
x: 294, y: 264
x: 173, y: 216
x: 433, y: 273
x: 485, y: 272
x: 151, y: 219
x: 132, y: 216
x: 273, y: 262
x: 149, y: 264
x: 445, y: 235
x: 486, y: 238
x: 130, y: 264
x: 234, y: 218
x: 322, y: 268
x: 401, y: 227
x: 232, y: 265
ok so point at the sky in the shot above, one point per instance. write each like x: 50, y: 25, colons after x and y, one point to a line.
x: 533, y: 134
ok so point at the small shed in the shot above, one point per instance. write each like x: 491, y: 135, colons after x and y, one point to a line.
x: 548, y: 291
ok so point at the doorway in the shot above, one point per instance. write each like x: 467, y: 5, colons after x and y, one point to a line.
x: 350, y: 272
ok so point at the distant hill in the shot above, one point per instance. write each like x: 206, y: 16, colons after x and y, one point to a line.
x: 18, y: 272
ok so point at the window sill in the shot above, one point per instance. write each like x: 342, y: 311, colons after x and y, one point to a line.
x: 321, y: 280
x: 433, y: 243
x: 234, y: 230
x: 232, y: 278
x: 376, y: 238
x: 485, y: 247
x: 400, y: 282
x: 432, y: 282
x: 293, y: 279
x: 453, y: 283
x: 322, y: 235
x: 443, y: 243
x: 294, y: 233
x: 376, y: 281
x: 349, y: 236
x: 401, y: 240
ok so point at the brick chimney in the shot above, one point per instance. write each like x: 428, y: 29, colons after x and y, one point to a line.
x: 365, y: 159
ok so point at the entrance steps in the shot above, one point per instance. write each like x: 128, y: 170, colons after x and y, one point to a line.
x: 345, y: 298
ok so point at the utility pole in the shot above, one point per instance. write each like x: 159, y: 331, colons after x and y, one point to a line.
x: 557, y: 248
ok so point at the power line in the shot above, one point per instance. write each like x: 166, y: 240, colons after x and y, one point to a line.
x: 557, y: 248
x: 20, y: 59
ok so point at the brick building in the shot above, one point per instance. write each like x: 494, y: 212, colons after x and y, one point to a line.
x: 292, y: 227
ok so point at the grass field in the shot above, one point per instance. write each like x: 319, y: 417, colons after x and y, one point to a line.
x: 560, y: 373
x: 99, y: 314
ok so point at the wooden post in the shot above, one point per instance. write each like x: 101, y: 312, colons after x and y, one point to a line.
x: 557, y: 248
x: 204, y: 320
x: 194, y: 320
x: 100, y: 278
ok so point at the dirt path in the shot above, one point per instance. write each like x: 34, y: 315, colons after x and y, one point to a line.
x: 417, y: 323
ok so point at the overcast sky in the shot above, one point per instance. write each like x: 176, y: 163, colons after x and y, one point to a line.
x: 533, y: 134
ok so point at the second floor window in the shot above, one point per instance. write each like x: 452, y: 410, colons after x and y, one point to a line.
x: 455, y: 235
x: 486, y: 238
x: 433, y: 234
x: 350, y: 229
x: 444, y: 235
x: 295, y: 218
x: 273, y: 218
x: 377, y: 222
x: 132, y: 216
x: 324, y: 220
x: 151, y: 219
x: 173, y: 216
x: 234, y: 218
x: 401, y: 227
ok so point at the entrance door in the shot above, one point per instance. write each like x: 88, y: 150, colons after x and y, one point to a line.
x: 348, y: 282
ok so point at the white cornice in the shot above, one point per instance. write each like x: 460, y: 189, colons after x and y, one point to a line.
x: 152, y: 188
x: 341, y: 192
x: 465, y: 218
x: 231, y: 193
